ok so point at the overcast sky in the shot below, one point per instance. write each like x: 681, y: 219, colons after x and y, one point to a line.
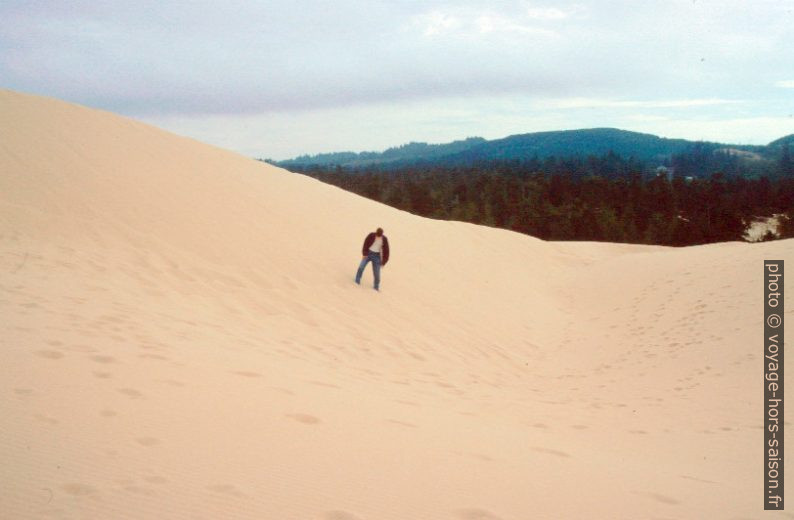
x: 281, y: 78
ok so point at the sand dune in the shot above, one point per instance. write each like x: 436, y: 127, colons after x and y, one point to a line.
x: 180, y: 337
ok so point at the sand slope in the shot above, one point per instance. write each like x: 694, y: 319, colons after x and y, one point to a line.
x: 180, y: 337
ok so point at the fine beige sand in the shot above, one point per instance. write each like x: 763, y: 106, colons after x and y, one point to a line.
x: 181, y: 337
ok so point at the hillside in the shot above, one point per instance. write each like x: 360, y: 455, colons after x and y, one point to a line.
x: 777, y: 145
x: 541, y: 145
x: 409, y: 153
x: 181, y: 338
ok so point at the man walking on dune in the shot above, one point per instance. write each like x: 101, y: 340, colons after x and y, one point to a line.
x: 375, y: 250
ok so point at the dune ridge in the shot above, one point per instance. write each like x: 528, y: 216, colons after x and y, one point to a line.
x: 182, y: 338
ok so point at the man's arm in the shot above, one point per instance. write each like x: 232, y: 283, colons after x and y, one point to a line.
x: 367, y: 242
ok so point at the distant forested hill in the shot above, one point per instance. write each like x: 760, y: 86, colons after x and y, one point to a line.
x: 600, y: 184
x: 410, y: 153
x: 651, y: 150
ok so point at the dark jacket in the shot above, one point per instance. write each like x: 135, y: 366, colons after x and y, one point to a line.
x: 384, y: 254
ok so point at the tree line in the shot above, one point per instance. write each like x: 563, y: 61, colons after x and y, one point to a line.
x: 605, y: 198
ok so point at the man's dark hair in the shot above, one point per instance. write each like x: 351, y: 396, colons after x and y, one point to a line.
x: 379, y: 232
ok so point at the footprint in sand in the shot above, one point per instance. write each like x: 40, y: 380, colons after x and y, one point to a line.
x: 45, y: 419
x: 81, y: 348
x: 104, y: 359
x: 147, y: 441
x: 147, y: 346
x: 402, y: 423
x: 476, y: 514
x: 131, y: 392
x: 246, y: 373
x: 78, y: 490
x: 49, y: 354
x: 280, y: 390
x: 340, y: 515
x: 303, y: 418
x: 322, y: 383
x: 550, y: 451
x: 153, y: 356
x: 664, y: 499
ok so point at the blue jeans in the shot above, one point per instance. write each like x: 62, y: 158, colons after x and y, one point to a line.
x: 375, y: 258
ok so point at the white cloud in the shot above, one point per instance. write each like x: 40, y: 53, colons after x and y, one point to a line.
x: 578, y: 103
x: 436, y: 23
x: 546, y: 13
x: 469, y: 22
x: 785, y: 83
x: 491, y: 23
